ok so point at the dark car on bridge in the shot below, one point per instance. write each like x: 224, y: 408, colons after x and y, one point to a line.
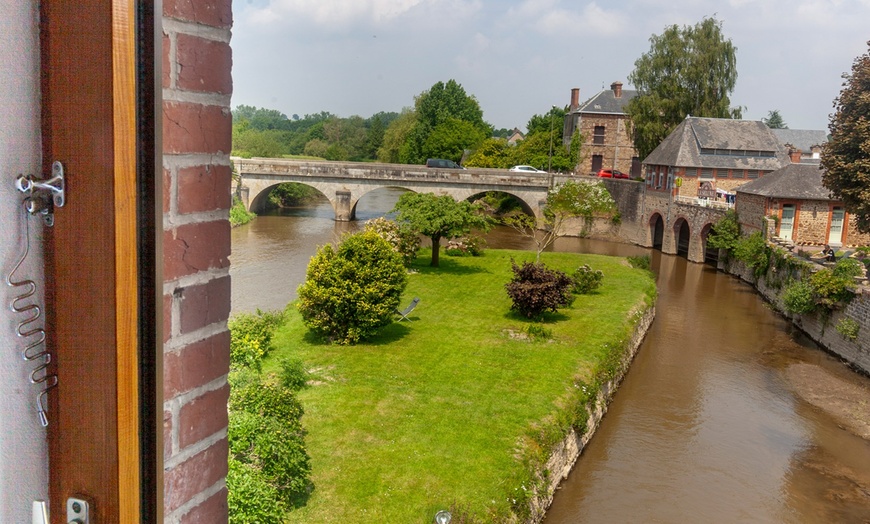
x: 442, y: 163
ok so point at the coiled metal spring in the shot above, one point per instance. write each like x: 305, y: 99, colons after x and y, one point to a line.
x: 29, y: 329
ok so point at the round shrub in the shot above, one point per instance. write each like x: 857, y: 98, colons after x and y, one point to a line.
x: 352, y: 291
x: 831, y: 289
x: 848, y: 268
x: 251, y: 337
x: 586, y: 279
x: 535, y: 288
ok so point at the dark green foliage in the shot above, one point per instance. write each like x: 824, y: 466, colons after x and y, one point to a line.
x: 754, y: 252
x: 846, y: 156
x: 586, y: 280
x: 798, y: 298
x: 535, y: 289
x: 439, y: 217
x: 251, y: 337
x: 774, y: 120
x: 687, y: 71
x: 640, y: 262
x: 251, y: 498
x: 350, y: 292
x: 291, y: 194
x: 725, y: 233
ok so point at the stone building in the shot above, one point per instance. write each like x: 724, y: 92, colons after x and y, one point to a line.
x: 605, y: 129
x: 801, y: 206
x: 808, y: 142
x: 715, y: 155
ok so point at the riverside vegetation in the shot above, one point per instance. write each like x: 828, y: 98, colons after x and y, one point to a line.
x: 458, y: 408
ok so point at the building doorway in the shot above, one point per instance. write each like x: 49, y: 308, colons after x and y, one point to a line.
x: 786, y: 223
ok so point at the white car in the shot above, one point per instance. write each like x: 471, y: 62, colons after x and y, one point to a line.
x: 526, y: 169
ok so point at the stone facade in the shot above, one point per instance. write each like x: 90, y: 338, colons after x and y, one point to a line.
x: 615, y: 150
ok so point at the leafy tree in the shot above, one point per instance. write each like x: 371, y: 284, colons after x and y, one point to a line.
x: 535, y: 288
x: 442, y: 103
x: 725, y: 233
x: 774, y: 120
x: 395, y: 137
x: 687, y: 71
x: 552, y: 119
x: 403, y: 240
x: 492, y: 152
x: 438, y: 217
x: 291, y: 194
x: 569, y: 200
x: 352, y: 291
x: 316, y: 147
x: 846, y: 156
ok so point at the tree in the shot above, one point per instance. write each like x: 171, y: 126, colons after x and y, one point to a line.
x: 395, y: 137
x: 352, y: 291
x: 438, y: 217
x: 443, y: 102
x: 687, y: 71
x: 846, y: 156
x: 569, y: 200
x: 774, y: 120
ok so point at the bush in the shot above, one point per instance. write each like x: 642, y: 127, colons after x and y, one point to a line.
x: 831, y: 289
x: 239, y: 215
x: 251, y: 337
x: 848, y: 328
x: 352, y: 291
x: 470, y: 246
x: 293, y: 374
x: 754, y: 252
x: 586, y: 280
x: 535, y: 288
x: 403, y: 240
x: 848, y: 268
x: 798, y: 298
x: 640, y: 262
x: 269, y: 464
x: 725, y: 234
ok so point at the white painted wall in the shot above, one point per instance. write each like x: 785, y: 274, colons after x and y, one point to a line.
x: 23, y: 447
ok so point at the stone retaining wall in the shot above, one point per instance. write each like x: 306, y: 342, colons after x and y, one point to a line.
x: 565, y: 454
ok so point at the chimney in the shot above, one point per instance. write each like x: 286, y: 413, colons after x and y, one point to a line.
x: 575, y: 99
x: 616, y: 87
x: 795, y: 155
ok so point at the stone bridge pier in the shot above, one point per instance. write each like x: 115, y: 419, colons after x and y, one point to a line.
x: 677, y: 228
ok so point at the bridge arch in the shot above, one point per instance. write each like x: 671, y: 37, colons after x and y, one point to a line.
x: 656, y: 231
x: 682, y: 236
x: 710, y: 254
x: 527, y: 209
x: 259, y: 202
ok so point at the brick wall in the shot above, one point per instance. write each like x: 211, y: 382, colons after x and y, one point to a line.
x: 197, y: 85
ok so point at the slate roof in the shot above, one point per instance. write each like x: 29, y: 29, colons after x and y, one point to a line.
x: 682, y: 148
x: 794, y: 181
x: 606, y: 102
x: 803, y: 139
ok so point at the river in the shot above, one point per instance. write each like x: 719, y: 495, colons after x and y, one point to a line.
x: 709, y: 425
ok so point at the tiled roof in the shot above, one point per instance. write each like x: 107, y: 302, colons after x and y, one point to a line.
x: 606, y: 102
x: 803, y: 139
x: 796, y: 181
x: 682, y: 148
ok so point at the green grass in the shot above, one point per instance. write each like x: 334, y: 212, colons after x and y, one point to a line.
x: 449, y: 408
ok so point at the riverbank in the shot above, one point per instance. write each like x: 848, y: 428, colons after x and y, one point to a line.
x: 454, y: 410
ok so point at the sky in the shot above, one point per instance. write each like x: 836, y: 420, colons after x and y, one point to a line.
x: 519, y: 58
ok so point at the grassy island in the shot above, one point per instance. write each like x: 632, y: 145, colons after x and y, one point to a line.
x: 459, y: 407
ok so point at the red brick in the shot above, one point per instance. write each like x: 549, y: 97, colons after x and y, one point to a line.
x: 196, y: 364
x: 205, y: 304
x: 167, y: 317
x: 203, y: 65
x: 203, y: 416
x: 195, y: 475
x: 216, y: 13
x: 167, y: 434
x: 204, y: 188
x: 167, y: 62
x: 196, y: 128
x: 212, y: 511
x: 192, y: 248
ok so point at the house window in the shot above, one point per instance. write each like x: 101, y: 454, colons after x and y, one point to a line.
x: 721, y: 173
x: 635, y: 166
x: 752, y: 174
x: 706, y: 173
x: 738, y: 173
x: 598, y: 135
x: 597, y: 162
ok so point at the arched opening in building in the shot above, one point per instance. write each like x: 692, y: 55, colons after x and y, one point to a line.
x: 657, y: 231
x: 682, y: 234
x: 711, y: 254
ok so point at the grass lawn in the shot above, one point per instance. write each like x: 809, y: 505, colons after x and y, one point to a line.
x: 440, y: 410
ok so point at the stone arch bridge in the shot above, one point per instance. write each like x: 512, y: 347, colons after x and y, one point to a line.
x: 344, y: 183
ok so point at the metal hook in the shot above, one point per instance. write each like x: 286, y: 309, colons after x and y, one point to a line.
x: 44, y: 195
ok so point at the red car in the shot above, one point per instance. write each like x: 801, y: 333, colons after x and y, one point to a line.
x: 612, y: 173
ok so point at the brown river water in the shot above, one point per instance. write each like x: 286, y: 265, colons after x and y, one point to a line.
x: 709, y: 425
